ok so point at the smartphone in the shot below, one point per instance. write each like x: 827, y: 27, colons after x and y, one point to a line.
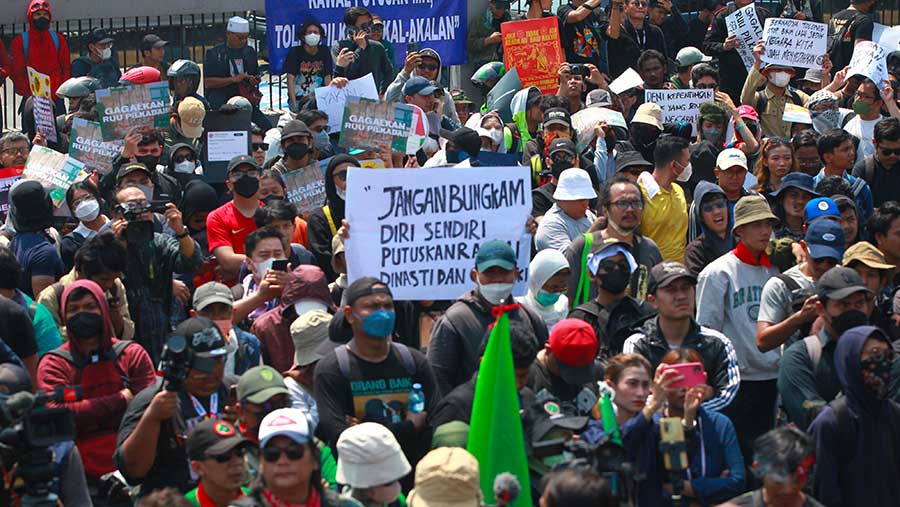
x: 158, y: 206
x: 412, y: 47
x: 693, y: 374
x: 280, y: 265
x: 671, y: 432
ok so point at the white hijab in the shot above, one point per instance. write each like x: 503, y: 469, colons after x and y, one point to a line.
x: 545, y: 264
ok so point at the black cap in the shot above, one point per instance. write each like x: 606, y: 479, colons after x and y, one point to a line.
x: 547, y: 413
x: 295, y: 128
x: 129, y: 168
x: 98, y: 36
x: 242, y: 160
x: 202, y: 336
x: 213, y: 437
x: 557, y: 116
x: 629, y: 159
x: 151, y: 41
x: 30, y: 206
x: 466, y: 139
x: 664, y: 273
x: 562, y: 144
x: 365, y: 286
x: 839, y: 282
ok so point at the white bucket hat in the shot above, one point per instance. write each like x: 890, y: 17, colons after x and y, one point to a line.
x: 369, y: 456
x: 574, y: 184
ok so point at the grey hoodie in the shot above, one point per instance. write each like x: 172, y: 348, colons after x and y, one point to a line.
x: 394, y: 91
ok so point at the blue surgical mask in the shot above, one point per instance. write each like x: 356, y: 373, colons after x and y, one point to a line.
x: 545, y: 298
x: 320, y: 140
x: 379, y: 324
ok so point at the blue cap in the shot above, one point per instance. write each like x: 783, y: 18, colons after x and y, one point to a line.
x: 825, y: 238
x: 821, y: 207
x: 418, y: 85
x: 800, y: 181
x: 495, y: 253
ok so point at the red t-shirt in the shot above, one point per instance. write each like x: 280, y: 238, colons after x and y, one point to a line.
x: 226, y: 226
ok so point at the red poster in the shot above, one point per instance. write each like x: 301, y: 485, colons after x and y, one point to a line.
x: 532, y: 47
x: 8, y: 176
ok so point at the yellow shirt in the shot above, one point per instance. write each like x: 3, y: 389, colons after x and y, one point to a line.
x: 665, y: 218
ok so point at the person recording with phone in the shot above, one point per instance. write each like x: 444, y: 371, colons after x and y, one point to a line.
x: 356, y: 56
x: 262, y: 286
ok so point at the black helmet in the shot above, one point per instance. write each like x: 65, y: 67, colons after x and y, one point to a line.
x: 183, y: 68
x: 78, y: 87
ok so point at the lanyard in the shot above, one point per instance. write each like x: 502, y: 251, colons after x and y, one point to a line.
x: 213, y: 406
x: 702, y: 452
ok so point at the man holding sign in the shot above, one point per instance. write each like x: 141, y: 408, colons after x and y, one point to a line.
x: 721, y: 43
x: 769, y: 103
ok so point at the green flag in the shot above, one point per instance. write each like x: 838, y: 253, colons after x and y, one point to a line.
x: 495, y: 429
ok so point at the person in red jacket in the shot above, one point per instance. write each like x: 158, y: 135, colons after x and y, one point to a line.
x: 108, y: 370
x: 48, y: 52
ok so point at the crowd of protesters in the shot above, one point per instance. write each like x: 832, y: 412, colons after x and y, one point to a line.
x: 761, y: 253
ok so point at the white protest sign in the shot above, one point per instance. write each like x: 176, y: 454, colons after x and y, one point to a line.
x: 745, y: 24
x: 795, y: 43
x: 419, y: 230
x: 626, y: 81
x: 585, y: 120
x: 889, y: 37
x: 680, y: 105
x: 869, y: 60
x: 796, y: 114
x: 331, y: 99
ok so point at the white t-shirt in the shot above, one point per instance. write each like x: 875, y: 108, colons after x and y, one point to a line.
x: 865, y: 131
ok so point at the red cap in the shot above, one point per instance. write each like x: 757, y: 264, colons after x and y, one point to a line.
x: 141, y: 75
x: 746, y: 111
x: 574, y: 345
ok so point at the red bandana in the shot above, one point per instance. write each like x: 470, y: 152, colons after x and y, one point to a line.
x: 743, y: 254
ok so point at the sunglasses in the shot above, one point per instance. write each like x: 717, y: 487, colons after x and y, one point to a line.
x: 341, y: 175
x: 273, y: 453
x: 710, y: 206
x: 609, y: 266
x: 260, y: 146
x: 226, y: 457
x: 181, y: 158
x: 888, y: 151
x: 428, y: 66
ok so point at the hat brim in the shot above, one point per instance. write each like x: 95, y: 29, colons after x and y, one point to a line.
x: 557, y: 121
x: 576, y: 375
x: 266, y: 394
x: 295, y: 134
x: 786, y: 186
x: 872, y: 264
x: 192, y: 132
x: 104, y: 41
x: 846, y: 291
x: 428, y: 90
x: 665, y: 282
x: 223, y: 446
x: 488, y: 264
x: 824, y: 252
x: 293, y: 435
x: 369, y: 475
x: 215, y: 298
x: 566, y: 196
x: 415, y: 499
x: 755, y: 217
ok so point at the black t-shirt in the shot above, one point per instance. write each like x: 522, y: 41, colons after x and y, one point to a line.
x: 542, y: 199
x: 171, y: 467
x: 16, y: 329
x: 309, y: 70
x: 581, y: 41
x: 848, y: 26
x: 573, y: 399
x: 884, y: 183
x: 222, y: 61
x: 696, y: 33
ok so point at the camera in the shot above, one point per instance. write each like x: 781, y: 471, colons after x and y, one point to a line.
x: 132, y: 210
x: 609, y: 460
x: 30, y: 428
x: 579, y: 69
x: 174, y: 363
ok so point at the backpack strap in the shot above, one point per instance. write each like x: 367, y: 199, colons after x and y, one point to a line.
x: 582, y: 294
x: 406, y: 356
x: 32, y: 309
x: 868, y: 168
x: 327, y: 211
x: 845, y: 445
x: 791, y: 284
x: 858, y: 187
x: 53, y: 35
x: 67, y: 355
x: 343, y: 359
x: 814, y: 349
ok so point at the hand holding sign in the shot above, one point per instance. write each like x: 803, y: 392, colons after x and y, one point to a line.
x: 795, y: 43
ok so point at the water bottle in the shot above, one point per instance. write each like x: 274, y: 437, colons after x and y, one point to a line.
x: 416, y: 403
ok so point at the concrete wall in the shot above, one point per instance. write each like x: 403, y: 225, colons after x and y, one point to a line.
x: 14, y: 10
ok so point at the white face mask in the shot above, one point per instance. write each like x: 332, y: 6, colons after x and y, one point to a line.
x: 186, y: 167
x: 342, y: 193
x: 106, y: 54
x: 780, y: 78
x: 262, y: 267
x: 495, y: 292
x: 312, y: 39
x: 385, y: 494
x: 685, y: 173
x: 496, y: 136
x: 87, y: 210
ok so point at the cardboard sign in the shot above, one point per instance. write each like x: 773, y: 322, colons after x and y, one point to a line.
x: 680, y: 105
x: 331, y: 100
x: 86, y: 145
x: 125, y: 107
x: 305, y: 188
x: 42, y: 102
x: 626, y: 81
x: 745, y: 24
x: 55, y: 170
x: 795, y: 43
x: 371, y: 125
x: 796, y: 114
x: 218, y: 129
x: 419, y: 231
x: 869, y: 60
x: 889, y: 37
x: 532, y: 47
x: 8, y: 176
x: 500, y: 97
x: 585, y: 120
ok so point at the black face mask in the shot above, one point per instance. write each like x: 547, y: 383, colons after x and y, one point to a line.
x: 848, y: 320
x: 246, y: 186
x: 150, y: 161
x: 84, y: 325
x: 616, y: 278
x: 41, y: 23
x: 272, y: 198
x: 876, y: 374
x: 644, y: 138
x: 296, y: 151
x: 139, y: 233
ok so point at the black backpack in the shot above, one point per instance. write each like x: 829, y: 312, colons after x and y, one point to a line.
x: 846, y: 437
x: 798, y: 298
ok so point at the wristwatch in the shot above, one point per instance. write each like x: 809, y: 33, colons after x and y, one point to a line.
x: 184, y: 233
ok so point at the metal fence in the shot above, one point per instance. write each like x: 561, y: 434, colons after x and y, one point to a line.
x: 190, y: 35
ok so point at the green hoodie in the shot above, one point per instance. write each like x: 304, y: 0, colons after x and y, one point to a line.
x: 519, y: 107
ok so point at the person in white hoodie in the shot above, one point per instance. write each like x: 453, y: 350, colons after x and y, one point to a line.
x: 548, y: 275
x: 729, y: 291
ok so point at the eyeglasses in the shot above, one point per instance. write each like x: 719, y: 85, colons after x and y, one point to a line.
x: 236, y: 175
x: 609, y: 266
x: 226, y: 457
x: 628, y: 204
x: 260, y: 146
x: 341, y: 175
x: 181, y: 158
x: 862, y: 96
x: 16, y: 151
x: 272, y: 453
x: 428, y: 66
x: 717, y: 204
x: 888, y: 151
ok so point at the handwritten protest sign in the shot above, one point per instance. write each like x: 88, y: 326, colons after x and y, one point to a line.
x: 8, y: 176
x: 795, y: 43
x: 744, y: 23
x: 585, y: 120
x: 86, y: 145
x: 331, y: 100
x: 532, y: 47
x: 680, y: 105
x: 42, y: 101
x: 796, y: 114
x: 869, y: 60
x: 55, y: 170
x: 305, y: 188
x: 125, y: 107
x: 371, y: 125
x: 626, y: 81
x: 419, y: 231
x: 887, y: 36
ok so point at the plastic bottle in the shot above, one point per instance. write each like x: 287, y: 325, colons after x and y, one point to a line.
x: 416, y: 402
